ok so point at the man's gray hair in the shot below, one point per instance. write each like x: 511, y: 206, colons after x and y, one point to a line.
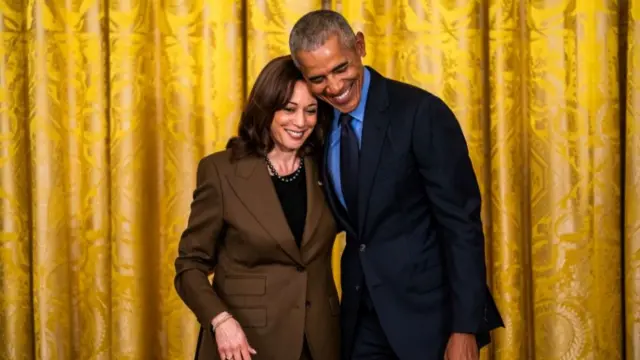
x: 316, y: 27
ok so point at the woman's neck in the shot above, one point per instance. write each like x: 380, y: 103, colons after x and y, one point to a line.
x: 285, y: 163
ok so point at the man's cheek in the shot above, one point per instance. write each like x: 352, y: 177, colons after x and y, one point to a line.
x: 317, y: 90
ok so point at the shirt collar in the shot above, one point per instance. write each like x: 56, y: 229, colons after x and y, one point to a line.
x: 358, y: 112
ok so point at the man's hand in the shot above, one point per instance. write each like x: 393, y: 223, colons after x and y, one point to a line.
x: 462, y: 347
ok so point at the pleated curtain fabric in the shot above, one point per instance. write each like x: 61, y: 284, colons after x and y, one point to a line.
x: 106, y: 107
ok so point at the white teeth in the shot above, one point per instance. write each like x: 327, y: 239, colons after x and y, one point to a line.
x: 342, y: 96
x: 295, y: 134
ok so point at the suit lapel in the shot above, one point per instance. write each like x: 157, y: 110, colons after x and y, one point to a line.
x: 253, y: 186
x: 315, y: 202
x: 373, y: 132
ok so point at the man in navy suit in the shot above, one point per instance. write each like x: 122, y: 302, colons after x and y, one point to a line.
x: 400, y: 182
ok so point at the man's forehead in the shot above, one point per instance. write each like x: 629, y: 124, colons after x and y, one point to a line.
x: 326, y: 55
x: 322, y: 68
x: 313, y: 65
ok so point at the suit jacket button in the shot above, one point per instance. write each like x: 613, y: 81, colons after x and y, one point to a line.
x: 300, y: 268
x: 307, y: 304
x: 357, y: 287
x: 362, y: 247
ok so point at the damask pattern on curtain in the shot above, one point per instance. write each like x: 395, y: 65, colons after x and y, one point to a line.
x: 106, y: 107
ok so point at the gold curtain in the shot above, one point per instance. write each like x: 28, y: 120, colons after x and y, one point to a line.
x: 106, y: 106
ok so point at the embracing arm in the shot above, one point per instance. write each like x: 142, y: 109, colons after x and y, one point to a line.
x: 197, y: 249
x: 452, y: 188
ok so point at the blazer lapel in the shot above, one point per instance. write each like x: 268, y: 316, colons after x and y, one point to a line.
x: 315, y: 202
x: 252, y: 185
x: 374, y: 129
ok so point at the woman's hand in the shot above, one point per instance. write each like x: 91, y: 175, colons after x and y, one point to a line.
x: 231, y: 340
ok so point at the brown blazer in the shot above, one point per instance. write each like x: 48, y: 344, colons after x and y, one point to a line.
x: 276, y: 291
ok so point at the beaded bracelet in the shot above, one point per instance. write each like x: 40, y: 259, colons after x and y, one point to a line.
x: 219, y: 322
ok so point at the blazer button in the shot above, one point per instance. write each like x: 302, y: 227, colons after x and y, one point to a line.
x: 307, y: 304
x: 357, y: 287
x: 362, y: 247
x: 300, y: 268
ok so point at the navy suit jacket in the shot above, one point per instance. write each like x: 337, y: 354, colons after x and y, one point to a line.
x: 418, y: 245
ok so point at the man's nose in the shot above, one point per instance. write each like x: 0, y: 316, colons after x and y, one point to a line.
x: 334, y: 87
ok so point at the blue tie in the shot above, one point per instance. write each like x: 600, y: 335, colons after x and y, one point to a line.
x: 349, y: 162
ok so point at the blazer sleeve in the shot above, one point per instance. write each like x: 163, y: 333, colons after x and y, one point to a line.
x: 451, y: 186
x: 197, y: 248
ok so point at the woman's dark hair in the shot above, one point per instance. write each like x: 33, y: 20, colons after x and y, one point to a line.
x: 271, y: 92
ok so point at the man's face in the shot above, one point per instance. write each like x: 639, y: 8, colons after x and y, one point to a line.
x: 335, y: 73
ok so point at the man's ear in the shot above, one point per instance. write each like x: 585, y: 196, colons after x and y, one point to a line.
x: 361, y: 48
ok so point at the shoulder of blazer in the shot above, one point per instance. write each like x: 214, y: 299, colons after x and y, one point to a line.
x: 219, y: 157
x: 225, y: 164
x: 243, y: 167
x: 401, y: 94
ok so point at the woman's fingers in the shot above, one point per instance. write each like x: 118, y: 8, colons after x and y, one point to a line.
x: 232, y: 342
x: 225, y: 355
x: 237, y: 355
x: 245, y: 353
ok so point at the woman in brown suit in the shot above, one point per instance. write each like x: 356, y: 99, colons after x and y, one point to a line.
x: 259, y: 221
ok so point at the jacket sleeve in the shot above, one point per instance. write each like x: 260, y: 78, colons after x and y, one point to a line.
x: 197, y: 248
x: 451, y: 186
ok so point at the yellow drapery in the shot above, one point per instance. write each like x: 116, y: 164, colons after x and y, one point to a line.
x: 106, y: 106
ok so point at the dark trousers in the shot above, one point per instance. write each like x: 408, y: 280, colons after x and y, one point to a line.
x: 370, y: 342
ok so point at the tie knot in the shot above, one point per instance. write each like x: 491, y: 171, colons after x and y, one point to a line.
x: 345, y: 119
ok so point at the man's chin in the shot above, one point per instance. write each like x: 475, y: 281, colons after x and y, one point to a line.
x: 346, y: 108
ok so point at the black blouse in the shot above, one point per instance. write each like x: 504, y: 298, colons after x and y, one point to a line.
x: 292, y: 192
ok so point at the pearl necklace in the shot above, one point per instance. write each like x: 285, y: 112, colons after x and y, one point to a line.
x: 287, y: 178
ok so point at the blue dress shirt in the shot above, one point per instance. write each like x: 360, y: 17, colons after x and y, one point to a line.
x: 333, y: 161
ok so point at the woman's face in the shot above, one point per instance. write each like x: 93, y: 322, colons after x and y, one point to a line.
x: 292, y: 125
